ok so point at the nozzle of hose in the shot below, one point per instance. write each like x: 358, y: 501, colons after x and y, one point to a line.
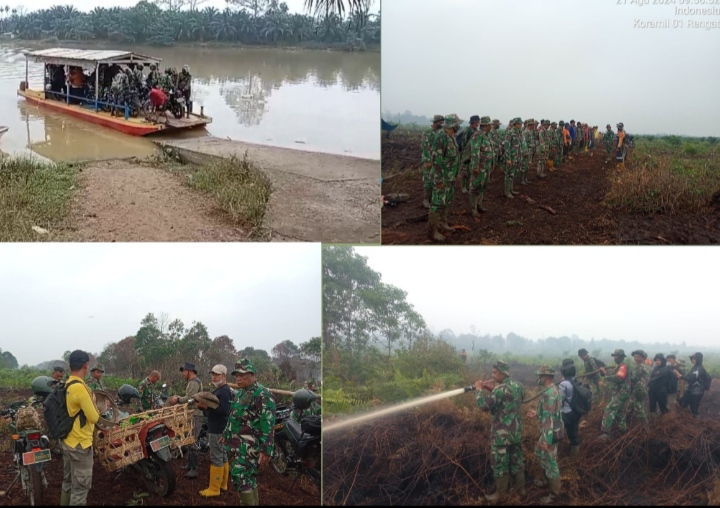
x: 470, y: 388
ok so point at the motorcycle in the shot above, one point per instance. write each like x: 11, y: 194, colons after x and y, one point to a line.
x: 297, y: 445
x: 176, y: 103
x: 154, y: 468
x: 30, y: 449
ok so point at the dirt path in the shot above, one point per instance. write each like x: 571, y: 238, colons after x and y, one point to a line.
x: 125, y: 201
x: 564, y: 209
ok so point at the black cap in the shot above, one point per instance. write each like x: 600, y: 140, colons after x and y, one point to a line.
x: 188, y: 366
x: 582, y: 352
x: 60, y: 369
x: 78, y: 357
x: 474, y: 118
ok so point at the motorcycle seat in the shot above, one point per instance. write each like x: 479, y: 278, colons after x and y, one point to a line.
x: 295, y: 431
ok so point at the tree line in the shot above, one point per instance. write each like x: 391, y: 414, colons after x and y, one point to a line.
x: 164, y: 344
x: 166, y: 22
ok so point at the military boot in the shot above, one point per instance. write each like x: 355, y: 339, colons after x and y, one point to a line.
x: 192, y: 465
x: 465, y: 181
x: 512, y: 190
x: 443, y: 223
x: 433, y: 234
x: 508, y: 185
x: 554, y: 484
x: 574, y: 451
x: 480, y: 202
x: 501, y: 488
x: 520, y: 483
x: 524, y: 180
x: 64, y: 498
x: 427, y: 198
x: 473, y: 205
x: 247, y: 498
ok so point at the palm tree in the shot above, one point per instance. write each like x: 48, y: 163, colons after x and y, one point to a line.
x: 337, y: 6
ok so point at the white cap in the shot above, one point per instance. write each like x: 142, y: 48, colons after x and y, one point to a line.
x: 219, y: 369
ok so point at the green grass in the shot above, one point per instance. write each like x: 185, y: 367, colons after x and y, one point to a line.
x: 34, y: 193
x: 236, y: 185
x: 668, y: 174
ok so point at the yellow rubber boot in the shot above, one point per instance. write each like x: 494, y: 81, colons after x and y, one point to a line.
x: 226, y: 474
x: 216, y: 478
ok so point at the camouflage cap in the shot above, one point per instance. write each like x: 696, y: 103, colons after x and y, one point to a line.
x: 496, y: 122
x: 97, y: 366
x: 547, y: 122
x: 639, y: 352
x: 502, y: 367
x: 619, y: 352
x: 485, y: 120
x: 243, y: 367
x: 553, y: 124
x: 452, y: 120
x: 568, y: 361
x: 516, y: 120
x: 529, y: 121
x: 438, y: 118
x: 545, y: 370
x: 562, y: 123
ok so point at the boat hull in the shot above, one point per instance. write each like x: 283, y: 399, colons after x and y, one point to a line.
x: 131, y: 126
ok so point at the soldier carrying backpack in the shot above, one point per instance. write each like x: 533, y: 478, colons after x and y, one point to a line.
x: 70, y: 416
x: 593, y: 365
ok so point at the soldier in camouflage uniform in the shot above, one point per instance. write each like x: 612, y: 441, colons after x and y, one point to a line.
x: 153, y: 77
x: 445, y: 161
x: 481, y: 160
x: 552, y: 150
x: 250, y: 431
x: 545, y: 137
x: 559, y: 143
x: 639, y: 378
x: 549, y: 417
x: 426, y: 147
x: 594, y: 379
x: 608, y: 138
x: 145, y: 388
x: 95, y: 374
x: 504, y: 401
x: 139, y: 77
x: 514, y: 149
x: 616, y: 408
x: 496, y: 136
x: 463, y: 142
x: 118, y: 89
x: 528, y: 150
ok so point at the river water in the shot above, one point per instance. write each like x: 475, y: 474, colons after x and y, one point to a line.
x: 318, y: 101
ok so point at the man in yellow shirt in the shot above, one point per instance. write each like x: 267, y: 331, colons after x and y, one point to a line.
x: 77, y: 446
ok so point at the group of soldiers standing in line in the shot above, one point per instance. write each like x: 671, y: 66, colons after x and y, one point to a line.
x: 478, y: 149
x: 630, y: 387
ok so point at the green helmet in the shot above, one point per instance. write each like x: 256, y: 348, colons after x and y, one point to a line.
x: 303, y: 398
x: 126, y: 393
x: 43, y: 386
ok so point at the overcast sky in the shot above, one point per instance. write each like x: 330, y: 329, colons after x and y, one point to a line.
x: 58, y: 297
x: 88, y: 5
x: 557, y: 59
x: 648, y: 294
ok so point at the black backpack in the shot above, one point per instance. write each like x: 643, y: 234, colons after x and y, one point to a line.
x: 58, y: 420
x: 581, y: 401
x: 311, y: 425
x: 708, y: 381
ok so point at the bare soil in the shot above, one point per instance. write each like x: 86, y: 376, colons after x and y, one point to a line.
x: 109, y: 489
x: 128, y: 201
x: 566, y: 208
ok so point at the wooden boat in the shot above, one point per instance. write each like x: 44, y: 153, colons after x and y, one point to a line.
x: 91, y: 108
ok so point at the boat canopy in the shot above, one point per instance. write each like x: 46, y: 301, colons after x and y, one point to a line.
x: 79, y: 57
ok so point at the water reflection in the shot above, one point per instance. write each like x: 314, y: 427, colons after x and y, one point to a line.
x: 311, y: 100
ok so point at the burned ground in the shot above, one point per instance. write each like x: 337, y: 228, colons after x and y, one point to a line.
x: 113, y: 489
x: 439, y: 455
x: 566, y: 208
